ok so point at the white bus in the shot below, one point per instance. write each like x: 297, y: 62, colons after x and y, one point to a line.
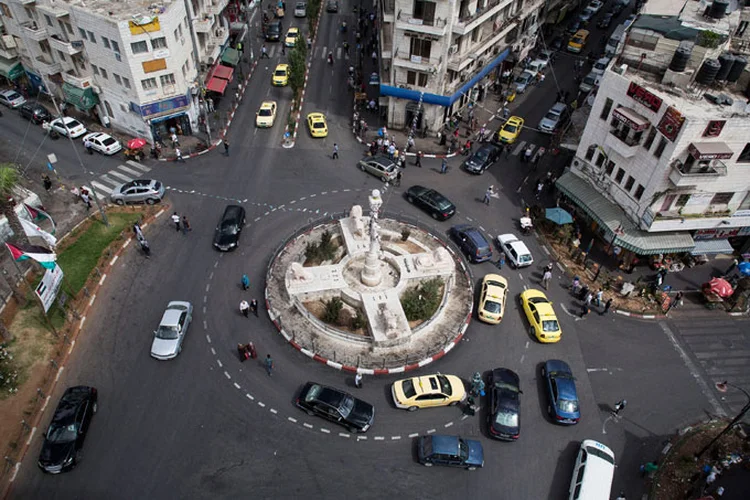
x: 593, y: 472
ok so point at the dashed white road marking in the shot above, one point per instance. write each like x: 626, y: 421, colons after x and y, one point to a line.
x: 449, y: 424
x: 218, y: 362
x: 431, y: 431
x: 261, y: 404
x: 324, y: 430
x: 292, y: 420
x: 227, y: 375
x: 395, y: 438
x: 237, y: 385
x: 307, y: 425
x: 344, y: 435
x: 415, y: 434
x: 379, y: 438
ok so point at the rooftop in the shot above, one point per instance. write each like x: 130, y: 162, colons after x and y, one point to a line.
x: 691, y: 14
x: 120, y: 9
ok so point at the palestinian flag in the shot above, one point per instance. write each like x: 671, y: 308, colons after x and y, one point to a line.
x: 38, y: 214
x: 45, y: 257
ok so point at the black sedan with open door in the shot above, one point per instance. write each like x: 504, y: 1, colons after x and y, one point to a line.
x: 227, y: 234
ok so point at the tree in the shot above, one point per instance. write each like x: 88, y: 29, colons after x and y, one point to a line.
x: 297, y: 66
x: 8, y: 182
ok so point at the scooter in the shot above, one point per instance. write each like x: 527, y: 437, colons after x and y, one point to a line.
x: 526, y: 225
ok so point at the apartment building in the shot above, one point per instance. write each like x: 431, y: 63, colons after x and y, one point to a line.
x: 436, y: 55
x: 136, y: 65
x: 662, y: 165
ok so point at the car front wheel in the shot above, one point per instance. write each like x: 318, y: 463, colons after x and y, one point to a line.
x: 362, y: 168
x: 120, y: 201
x: 150, y: 201
x: 413, y: 408
x: 427, y: 464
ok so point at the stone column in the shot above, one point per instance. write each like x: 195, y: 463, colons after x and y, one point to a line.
x: 371, y: 274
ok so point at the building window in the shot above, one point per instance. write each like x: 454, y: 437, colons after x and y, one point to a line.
x: 104, y: 73
x: 610, y: 167
x: 139, y: 47
x: 61, y: 55
x: 92, y: 37
x: 105, y: 42
x: 639, y: 192
x: 424, y: 11
x: 682, y: 200
x: 179, y: 28
x: 600, y: 159
x: 95, y: 69
x: 420, y: 48
x: 176, y: 36
x: 126, y: 82
x: 118, y: 80
x: 744, y: 157
x: 109, y: 109
x: 626, y: 134
x: 149, y: 83
x: 721, y: 198
x: 590, y: 152
x: 167, y: 79
x: 68, y: 27
x: 650, y: 138
x: 82, y: 32
x: 159, y: 43
x: 629, y: 184
x: 115, y: 46
x: 660, y: 148
x: 620, y: 175
x: 606, y: 109
x: 416, y: 78
x: 48, y: 19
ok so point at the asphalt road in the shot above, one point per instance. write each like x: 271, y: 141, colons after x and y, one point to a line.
x: 205, y: 425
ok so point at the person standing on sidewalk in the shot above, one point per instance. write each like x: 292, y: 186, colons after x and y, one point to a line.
x: 335, y: 154
x: 176, y: 221
x: 358, y: 380
x: 598, y: 298
x: 546, y: 278
x: 269, y: 364
x: 226, y: 147
x: 607, y: 305
x: 444, y: 166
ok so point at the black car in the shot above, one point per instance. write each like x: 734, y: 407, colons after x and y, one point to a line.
x: 505, y: 405
x: 472, y: 242
x: 227, y: 234
x: 482, y: 159
x: 557, y: 43
x: 337, y: 406
x: 574, y: 26
x: 605, y: 21
x: 35, y: 112
x: 332, y: 6
x: 432, y: 202
x: 63, y: 440
x: 273, y: 31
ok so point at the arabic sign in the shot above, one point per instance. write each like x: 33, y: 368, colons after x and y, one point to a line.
x: 49, y: 286
x: 165, y: 106
x: 714, y: 128
x: 643, y: 96
x: 671, y: 123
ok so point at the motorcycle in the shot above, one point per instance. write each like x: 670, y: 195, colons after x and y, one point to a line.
x: 526, y: 225
x: 330, y: 58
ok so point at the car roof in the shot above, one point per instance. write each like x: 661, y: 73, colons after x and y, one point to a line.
x: 268, y: 104
x: 515, y: 119
x: 444, y: 444
x: 557, y: 365
x: 582, y: 33
x: 533, y: 292
x: 506, y: 374
x: 293, y: 29
x: 423, y: 385
x: 519, y: 246
x: 69, y: 404
x: 382, y: 160
x: 559, y: 107
x: 494, y: 277
x: 328, y: 395
x: 507, y: 237
x: 232, y: 211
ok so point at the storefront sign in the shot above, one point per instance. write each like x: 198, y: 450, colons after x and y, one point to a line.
x: 705, y: 151
x: 643, y: 96
x: 715, y: 234
x: 714, y: 128
x: 671, y: 123
x: 741, y: 213
x: 165, y: 106
x: 624, y: 115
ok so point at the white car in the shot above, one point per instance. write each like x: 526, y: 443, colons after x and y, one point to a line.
x: 12, y: 99
x: 596, y: 6
x: 104, y: 143
x: 300, y: 9
x: 174, y: 323
x: 516, y: 251
x: 62, y: 125
x: 535, y: 66
x: 544, y: 58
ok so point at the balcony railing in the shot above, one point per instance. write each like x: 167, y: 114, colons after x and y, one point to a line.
x: 682, y: 175
x: 203, y: 25
x: 81, y: 82
x: 216, y: 6
x: 465, y: 16
x: 46, y: 65
x: 65, y: 46
x: 34, y: 31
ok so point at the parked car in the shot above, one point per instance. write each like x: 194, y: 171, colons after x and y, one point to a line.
x: 505, y: 405
x: 300, y: 9
x: 562, y: 395
x: 227, y: 234
x: 451, y: 451
x: 428, y: 391
x: 605, y: 21
x: 432, y: 202
x: 146, y: 191
x: 482, y: 159
x: 600, y: 66
x: 542, y: 318
x: 555, y: 117
x: 12, y: 99
x: 585, y: 16
x: 472, y: 242
x: 63, y: 441
x: 515, y: 250
x: 65, y: 124
x: 522, y: 81
x: 380, y: 167
x: 573, y: 27
x: 337, y: 406
x: 273, y: 31
x: 103, y: 143
x: 34, y: 112
x: 492, y: 299
x: 578, y: 41
x: 545, y: 57
x: 173, y: 326
x: 292, y: 35
x: 595, y: 6
x: 589, y: 82
x: 534, y: 67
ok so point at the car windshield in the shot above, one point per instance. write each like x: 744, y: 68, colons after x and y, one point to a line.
x: 408, y: 387
x: 567, y: 405
x: 346, y: 406
x: 495, y: 283
x: 524, y: 258
x: 500, y: 384
x: 599, y: 453
x: 481, y: 155
x: 537, y: 300
x: 506, y: 418
x: 62, y: 433
x: 108, y: 141
x: 73, y: 123
x: 493, y: 307
x: 550, y: 325
x: 167, y: 332
x: 521, y: 79
x: 551, y: 115
x: 280, y: 72
x: 577, y: 40
x: 589, y: 80
x: 463, y: 450
x: 510, y: 128
x: 445, y: 385
x: 265, y: 112
x: 228, y: 227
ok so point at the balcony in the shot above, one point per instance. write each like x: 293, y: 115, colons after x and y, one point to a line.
x: 65, y: 46
x: 203, y: 25
x: 82, y: 82
x: 34, y: 32
x: 416, y: 63
x: 460, y: 60
x: 436, y: 27
x: 46, y: 66
x: 692, y: 175
x: 622, y: 144
x: 219, y: 36
x: 467, y: 22
x: 216, y: 7
x: 389, y: 8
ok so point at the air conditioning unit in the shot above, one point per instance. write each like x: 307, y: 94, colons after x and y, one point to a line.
x: 620, y: 69
x: 453, y: 49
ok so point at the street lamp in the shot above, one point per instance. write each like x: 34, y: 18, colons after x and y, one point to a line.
x: 723, y: 387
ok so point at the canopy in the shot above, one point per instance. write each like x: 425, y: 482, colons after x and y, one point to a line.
x: 230, y: 56
x: 84, y: 99
x: 744, y: 268
x: 136, y: 143
x: 719, y: 286
x: 10, y: 69
x: 217, y: 85
x: 559, y: 216
x: 223, y: 72
x: 712, y: 247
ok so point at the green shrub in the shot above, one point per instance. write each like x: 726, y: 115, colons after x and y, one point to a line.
x: 421, y: 302
x: 8, y: 371
x: 359, y: 321
x: 332, y: 311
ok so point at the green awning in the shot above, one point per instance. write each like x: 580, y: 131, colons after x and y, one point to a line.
x: 84, y: 99
x: 230, y: 56
x: 612, y: 218
x: 10, y: 69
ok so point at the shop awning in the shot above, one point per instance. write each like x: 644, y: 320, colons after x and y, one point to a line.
x: 613, y: 218
x: 712, y: 247
x: 631, y: 118
x: 710, y: 151
x: 224, y: 72
x: 217, y: 85
x: 84, y: 99
x: 230, y: 56
x: 10, y: 69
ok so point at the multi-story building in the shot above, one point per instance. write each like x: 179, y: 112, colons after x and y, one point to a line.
x: 662, y: 164
x: 442, y: 53
x: 137, y: 65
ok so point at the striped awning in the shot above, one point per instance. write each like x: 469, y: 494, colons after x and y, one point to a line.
x: 613, y: 219
x: 712, y: 247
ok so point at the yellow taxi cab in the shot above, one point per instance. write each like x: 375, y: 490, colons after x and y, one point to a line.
x: 492, y: 300
x: 541, y: 316
x: 291, y: 37
x: 316, y: 122
x: 508, y: 133
x: 577, y: 41
x: 280, y: 75
x: 428, y: 391
x: 266, y: 115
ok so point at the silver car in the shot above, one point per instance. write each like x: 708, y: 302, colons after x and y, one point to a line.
x: 12, y: 99
x: 589, y: 82
x: 379, y: 166
x: 174, y: 324
x: 523, y: 80
x: 146, y: 191
x: 300, y: 9
x: 554, y: 118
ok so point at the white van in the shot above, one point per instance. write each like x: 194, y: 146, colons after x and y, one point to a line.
x: 616, y: 41
x: 593, y: 473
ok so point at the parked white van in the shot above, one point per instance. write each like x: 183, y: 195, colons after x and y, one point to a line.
x: 593, y: 472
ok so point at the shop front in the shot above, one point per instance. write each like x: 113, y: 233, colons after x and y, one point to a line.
x: 11, y: 70
x: 167, y: 116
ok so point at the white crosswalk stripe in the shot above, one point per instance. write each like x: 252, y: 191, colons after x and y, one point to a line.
x: 99, y: 189
x: 102, y: 191
x: 519, y: 148
x: 121, y: 176
x: 110, y: 180
x: 129, y: 171
x: 137, y: 165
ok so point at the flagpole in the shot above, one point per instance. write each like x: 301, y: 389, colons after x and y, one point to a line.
x: 39, y: 299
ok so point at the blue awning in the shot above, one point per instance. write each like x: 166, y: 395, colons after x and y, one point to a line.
x: 441, y: 100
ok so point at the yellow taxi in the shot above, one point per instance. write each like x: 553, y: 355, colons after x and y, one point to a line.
x: 428, y: 391
x: 280, y: 75
x: 577, y: 41
x: 316, y: 122
x: 510, y: 130
x: 291, y: 37
x: 492, y: 300
x: 541, y: 316
x: 266, y: 115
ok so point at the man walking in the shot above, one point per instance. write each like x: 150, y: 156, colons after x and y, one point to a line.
x: 487, y: 194
x: 176, y: 220
x: 584, y: 311
x: 619, y: 406
x: 419, y: 159
x: 178, y: 155
x: 607, y: 305
x: 47, y: 182
x: 269, y: 364
x: 226, y: 147
x: 254, y: 307
x: 335, y: 155
x: 89, y: 146
x: 444, y: 166
x: 539, y: 187
x: 598, y: 298
x: 245, y: 281
x: 501, y: 261
x: 245, y: 308
x: 264, y: 52
x: 185, y: 225
x: 398, y: 179
x: 546, y: 278
x: 86, y: 200
x: 587, y: 299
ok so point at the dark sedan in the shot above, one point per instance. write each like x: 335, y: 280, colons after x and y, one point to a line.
x: 332, y: 6
x: 482, y: 159
x: 561, y: 390
x: 227, y: 234
x: 505, y: 405
x: 337, y: 406
x: 432, y: 202
x: 35, y: 112
x: 64, y: 438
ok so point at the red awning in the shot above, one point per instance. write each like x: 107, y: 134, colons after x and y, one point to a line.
x: 631, y: 118
x: 223, y: 72
x: 217, y: 85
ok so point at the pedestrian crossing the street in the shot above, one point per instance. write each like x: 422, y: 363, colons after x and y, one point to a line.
x: 105, y: 183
